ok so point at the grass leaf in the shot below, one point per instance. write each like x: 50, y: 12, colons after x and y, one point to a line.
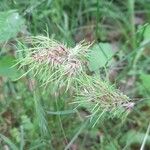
x: 9, y: 142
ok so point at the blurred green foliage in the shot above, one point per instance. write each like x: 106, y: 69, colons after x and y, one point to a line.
x: 107, y: 22
x: 10, y: 24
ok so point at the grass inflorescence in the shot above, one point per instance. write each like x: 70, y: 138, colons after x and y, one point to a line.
x: 101, y: 98
x: 68, y: 99
x: 55, y: 63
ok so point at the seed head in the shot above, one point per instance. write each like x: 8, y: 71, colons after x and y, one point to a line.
x: 55, y: 64
x: 100, y: 98
x: 52, y: 61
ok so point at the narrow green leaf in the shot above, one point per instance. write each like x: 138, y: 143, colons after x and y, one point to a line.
x: 65, y: 112
x: 134, y: 137
x: 9, y: 142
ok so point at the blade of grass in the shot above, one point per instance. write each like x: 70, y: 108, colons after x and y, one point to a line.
x: 22, y: 143
x: 9, y: 142
x: 65, y: 112
x: 77, y: 134
x: 145, y: 138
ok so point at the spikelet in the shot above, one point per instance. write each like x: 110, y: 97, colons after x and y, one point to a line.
x: 101, y: 99
x: 53, y: 62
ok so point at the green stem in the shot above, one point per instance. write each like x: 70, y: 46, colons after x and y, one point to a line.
x: 77, y: 134
x: 131, y: 4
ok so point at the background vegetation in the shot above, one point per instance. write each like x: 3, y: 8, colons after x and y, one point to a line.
x: 120, y: 54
